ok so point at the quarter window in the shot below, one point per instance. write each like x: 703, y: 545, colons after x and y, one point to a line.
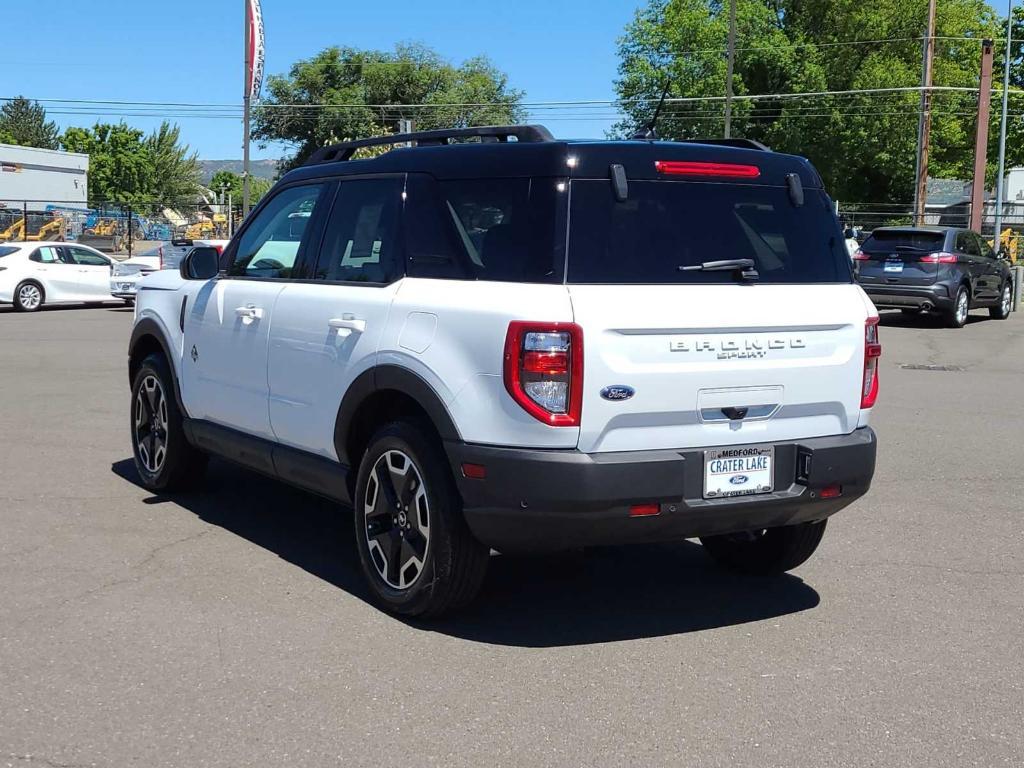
x: 361, y: 243
x: 272, y: 244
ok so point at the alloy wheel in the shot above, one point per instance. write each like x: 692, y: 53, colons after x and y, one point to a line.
x: 151, y: 424
x: 961, y: 308
x: 29, y: 296
x: 397, y: 519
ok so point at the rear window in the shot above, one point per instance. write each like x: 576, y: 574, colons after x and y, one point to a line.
x: 7, y: 250
x: 909, y: 239
x: 666, y: 225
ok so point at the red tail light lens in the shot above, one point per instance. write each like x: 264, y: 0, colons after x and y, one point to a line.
x: 938, y: 258
x: 859, y: 255
x: 872, y: 351
x: 543, y: 370
x: 728, y: 170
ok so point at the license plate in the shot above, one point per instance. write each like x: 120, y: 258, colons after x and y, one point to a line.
x: 127, y: 286
x: 893, y: 266
x: 738, y: 471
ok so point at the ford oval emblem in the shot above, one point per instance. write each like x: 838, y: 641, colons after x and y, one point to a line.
x: 738, y: 479
x: 617, y: 392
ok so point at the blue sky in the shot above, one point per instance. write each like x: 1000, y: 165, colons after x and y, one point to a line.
x: 145, y: 51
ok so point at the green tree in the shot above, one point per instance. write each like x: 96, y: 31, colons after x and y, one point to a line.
x: 24, y: 122
x: 347, y: 93
x: 127, y: 166
x: 257, y: 187
x: 863, y: 144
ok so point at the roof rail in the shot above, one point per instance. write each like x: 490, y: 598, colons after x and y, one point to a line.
x: 741, y: 143
x: 495, y: 133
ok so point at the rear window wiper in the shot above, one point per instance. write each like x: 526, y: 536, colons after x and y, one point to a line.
x: 743, y: 267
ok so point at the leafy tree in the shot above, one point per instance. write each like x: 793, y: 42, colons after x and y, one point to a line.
x: 366, y: 93
x: 128, y: 167
x: 863, y: 144
x: 24, y: 122
x: 257, y: 187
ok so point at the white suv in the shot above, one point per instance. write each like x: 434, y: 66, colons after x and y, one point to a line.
x: 493, y: 339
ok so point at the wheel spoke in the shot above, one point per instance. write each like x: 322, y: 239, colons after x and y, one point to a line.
x: 394, y: 556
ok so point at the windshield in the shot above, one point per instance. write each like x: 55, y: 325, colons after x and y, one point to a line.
x: 663, y: 226
x: 7, y: 250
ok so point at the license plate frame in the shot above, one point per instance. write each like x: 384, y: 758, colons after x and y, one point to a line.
x: 758, y: 477
x: 893, y: 267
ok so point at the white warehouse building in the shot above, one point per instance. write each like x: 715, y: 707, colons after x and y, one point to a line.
x: 42, y: 177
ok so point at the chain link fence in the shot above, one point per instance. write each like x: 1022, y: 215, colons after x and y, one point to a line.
x: 117, y: 228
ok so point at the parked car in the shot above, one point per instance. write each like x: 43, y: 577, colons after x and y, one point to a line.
x: 524, y: 345
x: 934, y: 269
x: 125, y: 276
x: 174, y: 251
x: 34, y: 274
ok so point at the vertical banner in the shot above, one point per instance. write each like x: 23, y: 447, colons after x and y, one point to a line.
x: 256, y: 50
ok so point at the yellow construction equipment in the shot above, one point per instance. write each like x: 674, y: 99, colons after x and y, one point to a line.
x: 200, y: 230
x: 13, y: 232
x: 1009, y: 241
x: 51, y: 230
x: 105, y: 235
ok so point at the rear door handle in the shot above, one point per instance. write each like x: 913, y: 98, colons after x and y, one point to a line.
x: 347, y: 322
x: 249, y: 312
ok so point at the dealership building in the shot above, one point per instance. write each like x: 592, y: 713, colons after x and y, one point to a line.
x: 42, y: 179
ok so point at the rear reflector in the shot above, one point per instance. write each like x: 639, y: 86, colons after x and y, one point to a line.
x: 831, y: 491
x: 727, y: 170
x: 644, y: 510
x: 474, y: 471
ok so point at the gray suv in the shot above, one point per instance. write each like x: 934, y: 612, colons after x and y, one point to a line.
x: 934, y: 269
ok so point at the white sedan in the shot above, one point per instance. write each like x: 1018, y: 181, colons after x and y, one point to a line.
x: 33, y: 274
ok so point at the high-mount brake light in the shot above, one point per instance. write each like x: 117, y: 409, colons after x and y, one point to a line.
x: 938, y: 258
x: 872, y: 351
x: 543, y: 370
x: 688, y: 168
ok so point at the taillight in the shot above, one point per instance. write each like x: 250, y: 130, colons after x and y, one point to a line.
x: 872, y: 351
x: 859, y: 255
x: 543, y: 370
x: 938, y: 258
x: 728, y: 170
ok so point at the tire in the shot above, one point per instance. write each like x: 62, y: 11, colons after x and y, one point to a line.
x: 29, y: 296
x: 957, y: 316
x: 429, y: 569
x: 165, y: 460
x: 1001, y: 311
x: 767, y: 552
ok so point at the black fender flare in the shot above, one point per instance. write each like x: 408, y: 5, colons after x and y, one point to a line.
x: 395, y: 378
x: 149, y: 328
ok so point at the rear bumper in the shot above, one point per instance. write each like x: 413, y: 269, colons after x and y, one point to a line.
x: 909, y: 297
x: 541, y: 500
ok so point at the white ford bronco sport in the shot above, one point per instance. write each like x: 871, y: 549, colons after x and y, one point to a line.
x: 489, y: 338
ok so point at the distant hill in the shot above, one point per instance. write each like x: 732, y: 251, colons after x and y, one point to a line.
x: 262, y: 169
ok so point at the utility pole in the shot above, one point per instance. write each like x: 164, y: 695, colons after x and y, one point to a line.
x: 245, y: 109
x: 729, y: 64
x: 924, y: 126
x: 981, y: 138
x: 1002, y: 125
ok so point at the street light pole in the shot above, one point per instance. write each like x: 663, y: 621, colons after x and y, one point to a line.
x: 729, y: 65
x: 924, y: 126
x: 1002, y: 126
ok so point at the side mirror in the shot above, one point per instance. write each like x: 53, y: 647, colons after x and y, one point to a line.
x: 202, y: 263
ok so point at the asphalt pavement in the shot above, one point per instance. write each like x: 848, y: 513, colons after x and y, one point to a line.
x: 231, y: 628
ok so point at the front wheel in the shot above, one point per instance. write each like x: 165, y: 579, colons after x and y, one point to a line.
x: 1002, y: 310
x: 766, y: 552
x: 165, y: 460
x: 415, y: 548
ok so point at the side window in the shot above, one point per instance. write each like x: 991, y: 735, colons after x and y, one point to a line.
x: 87, y: 258
x: 984, y: 248
x: 272, y: 243
x: 967, y: 243
x: 360, y: 243
x: 45, y: 255
x: 432, y: 247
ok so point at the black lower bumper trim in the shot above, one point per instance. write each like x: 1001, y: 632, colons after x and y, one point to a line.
x: 933, y: 297
x: 542, y: 500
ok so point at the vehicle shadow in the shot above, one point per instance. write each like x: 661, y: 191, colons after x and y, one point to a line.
x: 896, y: 319
x: 593, y: 596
